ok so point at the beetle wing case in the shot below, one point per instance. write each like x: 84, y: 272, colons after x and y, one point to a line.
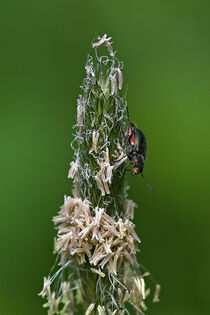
x: 140, y: 142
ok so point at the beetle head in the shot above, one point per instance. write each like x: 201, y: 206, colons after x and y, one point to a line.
x: 136, y: 170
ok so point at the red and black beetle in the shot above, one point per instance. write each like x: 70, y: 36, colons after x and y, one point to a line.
x: 136, y: 150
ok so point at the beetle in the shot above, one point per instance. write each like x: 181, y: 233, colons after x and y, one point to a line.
x: 136, y: 150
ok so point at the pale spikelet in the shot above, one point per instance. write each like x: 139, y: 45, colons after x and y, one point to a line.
x: 98, y: 216
x: 52, y: 303
x: 143, y: 306
x: 99, y: 272
x: 73, y: 169
x: 120, y: 78
x: 120, y: 296
x: 120, y: 157
x: 101, y: 310
x: 156, y: 294
x: 108, y: 172
x: 65, y: 287
x: 138, y: 292
x: 99, y: 180
x: 140, y: 284
x: 125, y: 297
x: 89, y: 309
x: 60, y: 304
x: 95, y: 234
x: 46, y: 288
x: 95, y: 137
x: 80, y: 111
x: 89, y: 70
x: 114, y: 86
x: 104, y: 176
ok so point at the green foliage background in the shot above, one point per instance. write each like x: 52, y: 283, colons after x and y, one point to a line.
x: 165, y: 47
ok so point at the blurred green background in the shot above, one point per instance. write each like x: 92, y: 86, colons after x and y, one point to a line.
x: 165, y: 47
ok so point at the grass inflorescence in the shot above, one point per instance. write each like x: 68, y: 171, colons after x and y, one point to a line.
x: 96, y: 243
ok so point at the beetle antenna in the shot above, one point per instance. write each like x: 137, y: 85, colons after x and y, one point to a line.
x: 146, y: 182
